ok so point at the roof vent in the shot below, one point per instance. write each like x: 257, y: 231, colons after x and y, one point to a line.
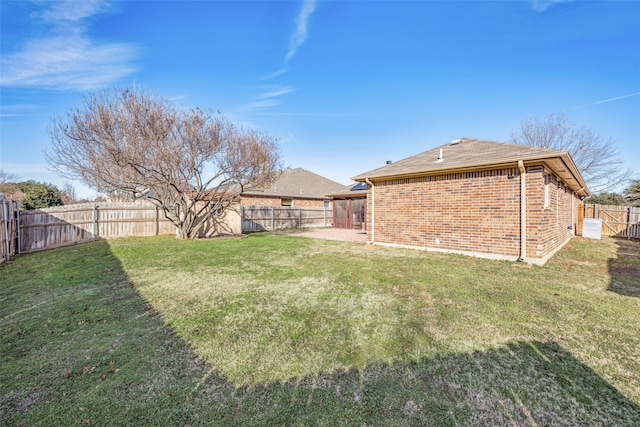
x: 456, y: 141
x: 440, y: 158
x: 389, y: 162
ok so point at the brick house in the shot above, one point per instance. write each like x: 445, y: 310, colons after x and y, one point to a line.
x: 293, y: 187
x: 476, y: 197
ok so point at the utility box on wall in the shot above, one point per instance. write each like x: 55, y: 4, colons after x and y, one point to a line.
x: 592, y: 228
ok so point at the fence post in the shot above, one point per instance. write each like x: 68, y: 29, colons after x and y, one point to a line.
x: 629, y: 223
x: 156, y: 220
x: 95, y: 221
x: 18, y: 228
x: 273, y: 219
x: 5, y: 220
x: 299, y: 217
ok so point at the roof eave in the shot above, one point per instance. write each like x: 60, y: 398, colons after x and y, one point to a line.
x: 348, y: 195
x: 293, y: 196
x: 580, y: 187
x: 447, y: 168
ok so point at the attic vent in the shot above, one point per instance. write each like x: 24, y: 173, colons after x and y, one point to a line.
x: 388, y: 162
x: 456, y: 141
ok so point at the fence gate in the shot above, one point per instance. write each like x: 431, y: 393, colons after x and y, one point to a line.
x: 620, y: 221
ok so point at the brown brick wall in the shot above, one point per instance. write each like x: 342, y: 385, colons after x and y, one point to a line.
x: 473, y: 212
x: 277, y: 201
x: 548, y: 227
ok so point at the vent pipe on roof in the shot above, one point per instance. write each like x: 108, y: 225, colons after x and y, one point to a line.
x: 440, y: 158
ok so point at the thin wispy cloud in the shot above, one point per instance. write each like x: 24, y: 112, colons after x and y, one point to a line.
x: 604, y: 101
x: 542, y: 5
x: 66, y: 57
x: 297, y: 38
x: 300, y: 33
x: 16, y: 110
x: 71, y: 12
x: 277, y: 91
x: 258, y: 105
x: 274, y: 74
x: 270, y: 97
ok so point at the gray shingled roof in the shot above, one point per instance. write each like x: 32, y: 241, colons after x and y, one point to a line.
x: 467, y: 153
x: 298, y: 182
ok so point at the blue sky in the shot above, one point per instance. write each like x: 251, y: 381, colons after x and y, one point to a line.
x: 345, y: 85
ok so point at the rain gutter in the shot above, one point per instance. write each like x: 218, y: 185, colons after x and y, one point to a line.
x: 373, y: 209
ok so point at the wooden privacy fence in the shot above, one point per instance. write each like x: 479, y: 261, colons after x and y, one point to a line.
x: 620, y: 221
x: 261, y: 218
x: 70, y: 224
x: 8, y: 228
x: 30, y: 231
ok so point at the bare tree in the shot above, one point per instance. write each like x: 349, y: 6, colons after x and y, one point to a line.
x: 8, y: 185
x: 68, y: 193
x: 6, y: 177
x: 598, y: 160
x: 119, y: 196
x: 191, y: 163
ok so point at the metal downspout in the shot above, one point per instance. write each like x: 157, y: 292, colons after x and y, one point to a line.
x: 573, y: 213
x: 373, y: 210
x: 523, y: 210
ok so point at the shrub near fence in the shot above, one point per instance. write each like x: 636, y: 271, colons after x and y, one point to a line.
x: 269, y: 218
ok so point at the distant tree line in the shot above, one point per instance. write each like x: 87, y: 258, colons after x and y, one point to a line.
x: 630, y: 196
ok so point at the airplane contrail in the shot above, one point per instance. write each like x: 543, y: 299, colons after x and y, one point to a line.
x: 605, y: 101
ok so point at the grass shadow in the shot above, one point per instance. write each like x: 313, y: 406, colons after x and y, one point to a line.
x: 79, y: 346
x: 624, y: 269
x: 522, y: 383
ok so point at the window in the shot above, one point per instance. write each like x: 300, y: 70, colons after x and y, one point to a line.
x: 546, y: 190
x: 286, y: 202
x: 326, y: 204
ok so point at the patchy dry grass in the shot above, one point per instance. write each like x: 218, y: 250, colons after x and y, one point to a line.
x: 306, y: 332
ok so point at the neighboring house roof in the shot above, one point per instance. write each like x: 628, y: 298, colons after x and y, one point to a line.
x: 298, y: 182
x: 359, y: 189
x: 468, y: 154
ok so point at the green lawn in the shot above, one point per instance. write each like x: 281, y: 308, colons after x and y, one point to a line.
x: 280, y: 330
